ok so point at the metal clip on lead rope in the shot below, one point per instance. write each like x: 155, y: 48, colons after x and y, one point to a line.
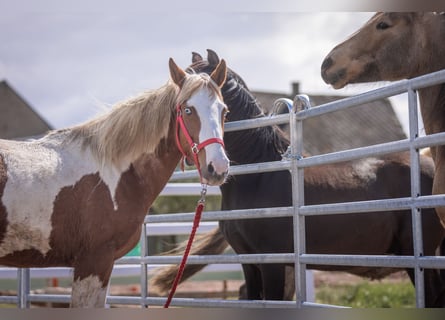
x: 203, y: 193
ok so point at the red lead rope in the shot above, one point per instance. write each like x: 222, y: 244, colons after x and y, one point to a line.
x: 180, y: 125
x: 199, y: 209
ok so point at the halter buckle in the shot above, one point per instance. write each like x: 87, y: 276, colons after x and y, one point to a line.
x: 195, y: 148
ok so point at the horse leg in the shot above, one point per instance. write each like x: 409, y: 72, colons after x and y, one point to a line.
x: 289, y: 283
x: 442, y: 253
x: 273, y: 277
x: 435, y: 283
x: 439, y: 185
x: 253, y: 286
x: 91, y: 278
x: 434, y: 289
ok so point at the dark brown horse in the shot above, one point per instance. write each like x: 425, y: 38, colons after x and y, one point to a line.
x: 394, y: 46
x: 365, y: 233
x: 78, y: 196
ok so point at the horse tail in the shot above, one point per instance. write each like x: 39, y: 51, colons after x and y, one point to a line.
x: 212, y: 242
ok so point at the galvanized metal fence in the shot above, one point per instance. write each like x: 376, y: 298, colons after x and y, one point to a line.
x: 296, y: 163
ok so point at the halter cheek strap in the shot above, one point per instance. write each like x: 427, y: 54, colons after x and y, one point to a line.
x: 195, y: 147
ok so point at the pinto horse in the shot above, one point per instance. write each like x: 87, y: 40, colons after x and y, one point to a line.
x: 78, y: 196
x: 365, y: 233
x: 394, y: 46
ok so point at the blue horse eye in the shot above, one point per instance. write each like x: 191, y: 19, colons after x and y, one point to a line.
x: 188, y: 111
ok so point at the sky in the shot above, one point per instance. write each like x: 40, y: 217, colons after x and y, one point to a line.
x: 71, y: 63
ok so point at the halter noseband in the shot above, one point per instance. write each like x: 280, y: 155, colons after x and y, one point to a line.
x: 195, y: 147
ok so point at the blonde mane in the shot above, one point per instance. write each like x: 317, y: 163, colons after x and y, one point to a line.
x: 138, y: 125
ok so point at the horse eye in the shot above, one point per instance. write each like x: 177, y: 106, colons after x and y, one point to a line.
x: 188, y: 111
x: 382, y: 26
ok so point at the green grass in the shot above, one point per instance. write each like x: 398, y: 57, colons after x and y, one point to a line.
x: 368, y: 295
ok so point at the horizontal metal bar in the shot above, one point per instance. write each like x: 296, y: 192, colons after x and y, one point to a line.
x: 176, y: 302
x: 322, y: 305
x: 372, y: 151
x: 222, y: 215
x: 238, y: 169
x: 206, y: 303
x: 390, y: 261
x: 281, y: 165
x: 50, y: 298
x: 9, y: 299
x: 385, y: 261
x: 178, y: 228
x: 430, y: 201
x: 256, y: 123
x: 333, y: 157
x: 184, y: 302
x: 188, y: 189
x: 374, y: 205
x: 426, y: 80
x: 380, y: 93
x: 213, y: 259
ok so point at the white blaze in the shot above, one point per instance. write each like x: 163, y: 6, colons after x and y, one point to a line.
x: 211, y: 110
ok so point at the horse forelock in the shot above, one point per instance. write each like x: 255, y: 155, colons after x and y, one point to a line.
x: 194, y: 82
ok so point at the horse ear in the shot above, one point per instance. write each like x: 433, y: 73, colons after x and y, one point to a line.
x: 196, y: 57
x: 212, y: 57
x: 220, y: 73
x: 177, y: 74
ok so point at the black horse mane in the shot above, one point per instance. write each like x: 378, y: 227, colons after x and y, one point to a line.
x: 259, y: 144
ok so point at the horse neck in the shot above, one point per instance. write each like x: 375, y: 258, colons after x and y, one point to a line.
x: 154, y: 170
x: 430, y: 49
x: 253, y: 145
x: 430, y: 55
x: 432, y: 107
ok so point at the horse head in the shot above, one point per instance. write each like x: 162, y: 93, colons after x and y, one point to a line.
x: 200, y: 120
x: 390, y: 46
x: 237, y: 96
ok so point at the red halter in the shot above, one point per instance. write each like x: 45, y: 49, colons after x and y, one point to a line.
x: 195, y: 147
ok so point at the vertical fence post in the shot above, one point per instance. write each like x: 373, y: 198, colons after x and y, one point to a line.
x: 144, y: 277
x: 416, y: 214
x: 23, y: 276
x: 301, y: 102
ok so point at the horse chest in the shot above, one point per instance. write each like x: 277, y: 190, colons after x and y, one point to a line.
x: 35, y: 175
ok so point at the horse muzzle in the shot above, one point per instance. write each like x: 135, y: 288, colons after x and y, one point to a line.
x: 215, y: 172
x: 332, y: 76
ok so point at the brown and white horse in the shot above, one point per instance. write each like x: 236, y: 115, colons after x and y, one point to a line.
x: 394, y: 46
x: 78, y: 196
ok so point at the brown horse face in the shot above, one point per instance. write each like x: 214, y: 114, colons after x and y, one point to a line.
x: 203, y: 113
x: 204, y: 124
x: 380, y: 51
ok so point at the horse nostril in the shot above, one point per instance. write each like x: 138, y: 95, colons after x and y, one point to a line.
x: 326, y: 63
x: 210, y: 168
